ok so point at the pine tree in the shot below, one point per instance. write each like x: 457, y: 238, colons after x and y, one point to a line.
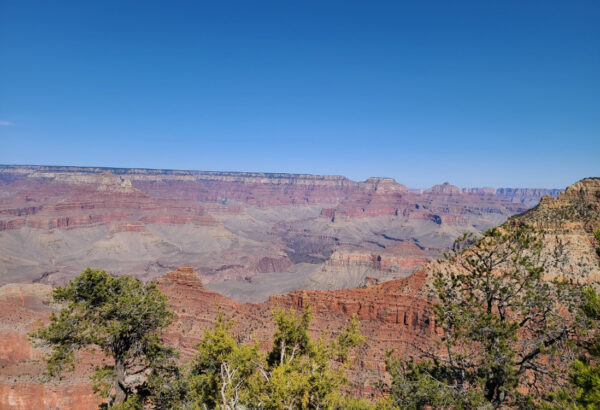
x: 504, y: 328
x: 120, y: 316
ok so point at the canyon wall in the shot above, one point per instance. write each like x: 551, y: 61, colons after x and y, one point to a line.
x: 395, y: 315
x: 248, y: 235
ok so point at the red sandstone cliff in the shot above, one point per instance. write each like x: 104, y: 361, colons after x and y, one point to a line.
x: 392, y: 315
x: 22, y: 386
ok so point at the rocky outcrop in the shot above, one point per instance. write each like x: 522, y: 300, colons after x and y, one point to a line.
x: 392, y: 316
x: 383, y: 185
x: 231, y: 226
x: 264, y: 189
x: 24, y: 308
x: 399, y: 260
x: 445, y: 188
x: 183, y: 277
x: 481, y: 191
x: 34, y: 395
x: 441, y: 203
x: 568, y: 223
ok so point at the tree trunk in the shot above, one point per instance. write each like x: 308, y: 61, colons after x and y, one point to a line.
x: 120, y: 391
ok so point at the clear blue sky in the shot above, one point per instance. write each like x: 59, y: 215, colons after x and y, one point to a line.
x: 497, y: 93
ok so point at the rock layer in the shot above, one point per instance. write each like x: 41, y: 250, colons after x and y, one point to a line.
x: 568, y: 223
x: 394, y: 315
x: 236, y: 229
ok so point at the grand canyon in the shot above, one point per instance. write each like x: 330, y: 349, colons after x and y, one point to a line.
x: 286, y: 205
x: 240, y: 244
x: 247, y: 235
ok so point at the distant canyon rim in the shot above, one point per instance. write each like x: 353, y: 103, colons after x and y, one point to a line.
x: 247, y: 235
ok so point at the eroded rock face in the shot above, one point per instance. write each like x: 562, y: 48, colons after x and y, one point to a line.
x: 184, y: 277
x: 398, y: 261
x: 393, y: 315
x: 32, y: 395
x: 24, y: 308
x: 568, y: 223
x: 286, y: 231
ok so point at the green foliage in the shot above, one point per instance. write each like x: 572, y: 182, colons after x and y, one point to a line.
x: 121, y: 317
x: 503, y: 326
x: 291, y: 335
x: 585, y: 376
x: 302, y: 373
x: 348, y: 339
x: 222, y: 369
x: 354, y: 403
x: 166, y: 386
x: 427, y: 383
x: 298, y: 373
x: 131, y: 403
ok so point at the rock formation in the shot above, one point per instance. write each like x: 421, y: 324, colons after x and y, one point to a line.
x: 395, y: 314
x: 568, y: 223
x: 249, y: 235
x: 24, y: 308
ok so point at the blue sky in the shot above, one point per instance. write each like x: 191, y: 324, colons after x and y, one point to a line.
x: 496, y: 93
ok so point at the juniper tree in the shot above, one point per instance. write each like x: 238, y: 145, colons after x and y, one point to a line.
x: 503, y: 326
x: 302, y: 373
x: 298, y: 373
x: 221, y: 372
x: 120, y: 316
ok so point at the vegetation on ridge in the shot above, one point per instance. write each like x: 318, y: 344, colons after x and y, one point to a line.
x: 510, y: 338
x: 123, y: 318
x: 507, y: 331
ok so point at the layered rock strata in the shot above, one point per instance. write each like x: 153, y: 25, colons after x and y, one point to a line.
x: 394, y: 315
x: 238, y: 230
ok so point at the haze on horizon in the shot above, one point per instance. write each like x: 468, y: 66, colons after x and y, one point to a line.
x: 501, y: 94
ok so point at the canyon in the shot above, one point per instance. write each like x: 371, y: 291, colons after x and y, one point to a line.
x: 248, y: 235
x: 395, y: 315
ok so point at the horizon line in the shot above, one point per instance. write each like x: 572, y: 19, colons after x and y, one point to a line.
x: 279, y: 174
